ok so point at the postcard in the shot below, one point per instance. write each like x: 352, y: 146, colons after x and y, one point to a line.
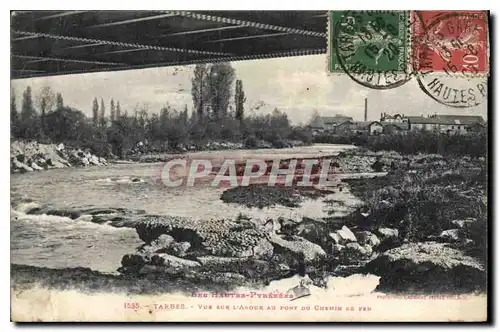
x: 249, y: 166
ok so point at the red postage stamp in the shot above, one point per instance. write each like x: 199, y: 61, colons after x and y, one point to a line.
x: 454, y: 42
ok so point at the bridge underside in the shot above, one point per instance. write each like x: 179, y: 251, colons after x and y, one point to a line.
x: 46, y: 43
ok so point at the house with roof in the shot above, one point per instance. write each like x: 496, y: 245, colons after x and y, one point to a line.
x: 367, y: 127
x: 395, y: 127
x: 328, y: 123
x: 450, y: 124
x: 396, y: 118
x: 345, y: 127
x: 478, y: 127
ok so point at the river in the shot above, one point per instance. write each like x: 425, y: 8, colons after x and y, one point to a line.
x: 47, y: 240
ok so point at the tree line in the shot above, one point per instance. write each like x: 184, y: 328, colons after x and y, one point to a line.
x: 218, y: 113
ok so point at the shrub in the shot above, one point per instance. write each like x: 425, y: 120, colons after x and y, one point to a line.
x: 251, y: 142
x: 424, y: 203
x: 279, y: 144
x: 473, y: 144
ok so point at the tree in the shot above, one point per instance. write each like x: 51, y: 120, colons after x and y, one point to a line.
x: 239, y: 100
x: 14, y: 116
x: 67, y: 124
x: 95, y: 112
x: 199, y: 89
x: 314, y: 117
x: 27, y: 110
x: 29, y: 126
x: 185, y: 115
x: 102, y: 120
x: 118, y: 110
x: 46, y: 99
x: 220, y: 81
x: 59, y: 101
x: 112, y: 110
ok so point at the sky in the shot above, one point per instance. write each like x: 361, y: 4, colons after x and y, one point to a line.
x: 295, y: 85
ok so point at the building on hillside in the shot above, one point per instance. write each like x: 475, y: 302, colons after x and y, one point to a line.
x: 328, y: 123
x: 450, y: 124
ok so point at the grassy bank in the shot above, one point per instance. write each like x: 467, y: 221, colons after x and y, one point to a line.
x: 414, y: 142
x: 263, y: 195
x: 422, y: 202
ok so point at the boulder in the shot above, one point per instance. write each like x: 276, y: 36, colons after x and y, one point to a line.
x: 84, y: 161
x: 177, y: 227
x: 36, y: 167
x: 353, y: 253
x: 313, y: 231
x: 133, y: 262
x: 60, y: 147
x: 222, y: 237
x: 163, y: 241
x: 343, y: 236
x: 261, y: 249
x: 367, y: 250
x: 466, y: 223
x: 94, y: 160
x: 287, y: 226
x: 346, y: 234
x: 179, y: 249
x: 74, y: 159
x: 450, y: 235
x: 55, y: 164
x: 336, y: 239
x: 161, y: 244
x: 219, y: 263
x: 271, y: 226
x: 173, y: 261
x: 427, y: 266
x: 387, y: 233
x: 389, y: 238
x: 102, y: 161
x: 296, y: 250
x: 367, y: 238
x: 22, y: 167
x: 41, y: 162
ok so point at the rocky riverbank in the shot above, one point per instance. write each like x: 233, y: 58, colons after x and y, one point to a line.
x: 421, y: 228
x: 244, y: 252
x: 29, y: 156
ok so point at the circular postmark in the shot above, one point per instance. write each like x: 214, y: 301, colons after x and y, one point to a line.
x: 372, y: 47
x: 452, y: 60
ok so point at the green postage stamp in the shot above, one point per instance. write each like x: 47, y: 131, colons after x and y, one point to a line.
x: 370, y: 46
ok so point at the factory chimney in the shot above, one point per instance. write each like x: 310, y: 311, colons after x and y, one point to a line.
x: 366, y: 109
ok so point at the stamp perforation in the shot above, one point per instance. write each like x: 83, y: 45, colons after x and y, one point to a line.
x: 329, y: 47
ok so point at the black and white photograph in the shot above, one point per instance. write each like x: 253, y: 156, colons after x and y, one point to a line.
x: 249, y: 166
